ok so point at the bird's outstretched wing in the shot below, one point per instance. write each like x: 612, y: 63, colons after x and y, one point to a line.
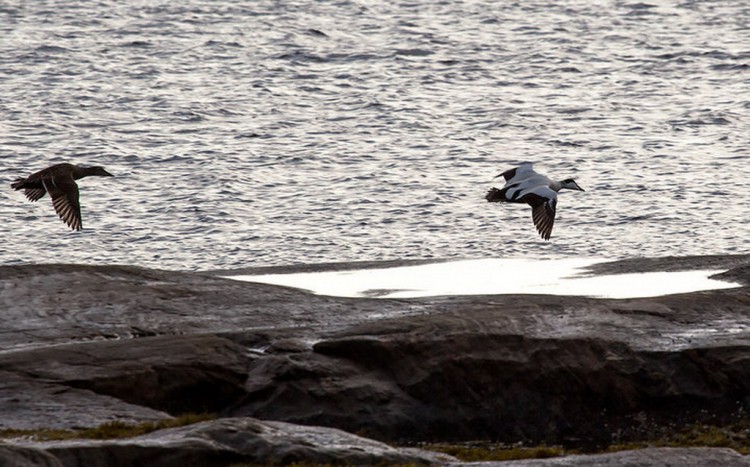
x: 64, y: 194
x: 543, y: 202
x: 522, y: 171
x: 34, y: 194
x: 33, y: 189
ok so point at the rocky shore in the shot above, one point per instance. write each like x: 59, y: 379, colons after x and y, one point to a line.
x: 292, y: 377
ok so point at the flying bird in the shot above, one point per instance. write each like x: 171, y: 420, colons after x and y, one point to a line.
x: 524, y: 185
x: 59, y: 181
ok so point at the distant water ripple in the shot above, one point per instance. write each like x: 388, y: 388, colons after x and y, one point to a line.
x: 271, y: 133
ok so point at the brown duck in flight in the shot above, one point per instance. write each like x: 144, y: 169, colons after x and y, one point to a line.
x: 59, y: 181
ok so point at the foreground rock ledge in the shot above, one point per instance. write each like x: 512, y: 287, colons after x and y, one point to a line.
x: 131, y: 344
x: 228, y: 441
x: 650, y: 457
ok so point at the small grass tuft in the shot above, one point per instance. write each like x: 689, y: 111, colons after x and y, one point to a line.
x: 42, y: 434
x: 735, y: 436
x: 496, y: 452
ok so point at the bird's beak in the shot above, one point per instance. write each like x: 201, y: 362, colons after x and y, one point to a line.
x: 107, y: 173
x: 579, y: 188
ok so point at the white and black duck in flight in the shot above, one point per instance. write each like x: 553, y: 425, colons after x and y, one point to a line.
x: 523, y: 185
x: 59, y: 181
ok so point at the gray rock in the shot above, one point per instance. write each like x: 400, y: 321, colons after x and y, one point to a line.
x: 234, y: 440
x: 651, y: 457
x: 19, y: 456
x: 90, y: 383
x: 93, y: 303
x: 155, y: 371
x: 29, y: 403
x: 125, y: 336
x: 138, y: 345
x: 509, y: 368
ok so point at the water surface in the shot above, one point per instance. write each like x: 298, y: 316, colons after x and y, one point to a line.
x: 272, y: 133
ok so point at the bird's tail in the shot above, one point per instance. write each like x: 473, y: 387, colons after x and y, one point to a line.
x: 18, y: 184
x: 495, y: 195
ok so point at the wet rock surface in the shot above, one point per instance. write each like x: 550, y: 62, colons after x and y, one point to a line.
x: 232, y: 441
x: 554, y: 369
x: 651, y: 457
x: 85, y: 345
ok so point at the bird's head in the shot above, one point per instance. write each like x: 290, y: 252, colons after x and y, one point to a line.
x: 97, y: 170
x: 570, y: 184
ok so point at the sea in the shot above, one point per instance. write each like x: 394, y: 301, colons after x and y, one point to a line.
x: 269, y: 133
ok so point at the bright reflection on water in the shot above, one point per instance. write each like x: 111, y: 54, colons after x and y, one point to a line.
x: 494, y: 276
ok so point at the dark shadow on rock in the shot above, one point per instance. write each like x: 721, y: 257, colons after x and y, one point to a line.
x: 31, y: 403
x: 581, y: 392
x: 19, y: 456
x: 174, y: 374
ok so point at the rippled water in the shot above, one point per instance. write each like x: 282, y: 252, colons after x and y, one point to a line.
x: 270, y: 133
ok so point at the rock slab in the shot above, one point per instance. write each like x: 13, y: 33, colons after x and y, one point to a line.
x: 233, y: 440
x: 650, y: 457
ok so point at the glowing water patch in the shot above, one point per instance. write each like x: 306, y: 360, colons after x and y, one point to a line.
x: 493, y: 276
